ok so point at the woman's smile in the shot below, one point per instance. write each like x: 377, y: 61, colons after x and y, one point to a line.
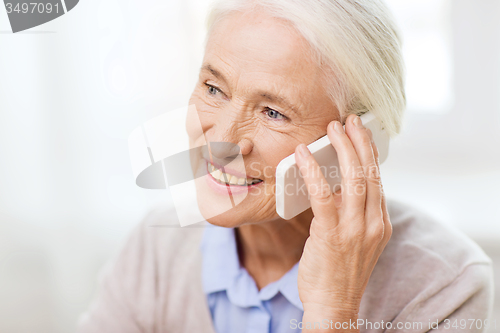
x: 225, y: 181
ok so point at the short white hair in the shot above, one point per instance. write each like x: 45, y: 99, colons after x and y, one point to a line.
x: 355, y: 41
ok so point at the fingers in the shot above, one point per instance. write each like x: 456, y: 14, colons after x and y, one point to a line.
x: 353, y: 180
x: 374, y: 147
x: 364, y: 148
x: 321, y: 196
x: 362, y: 195
x: 387, y: 220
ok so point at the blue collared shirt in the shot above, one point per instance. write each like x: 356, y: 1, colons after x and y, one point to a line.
x: 235, y: 302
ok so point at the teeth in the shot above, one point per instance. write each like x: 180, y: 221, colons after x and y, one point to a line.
x: 217, y: 174
x: 234, y: 180
x: 231, y: 179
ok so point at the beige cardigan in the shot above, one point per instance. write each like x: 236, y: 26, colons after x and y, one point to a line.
x: 427, y: 272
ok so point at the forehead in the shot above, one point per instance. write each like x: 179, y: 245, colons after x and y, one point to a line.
x: 259, y: 46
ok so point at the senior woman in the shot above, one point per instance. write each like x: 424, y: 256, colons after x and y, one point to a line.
x: 276, y: 76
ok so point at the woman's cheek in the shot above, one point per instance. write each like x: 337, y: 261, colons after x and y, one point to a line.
x: 193, y: 124
x: 272, y: 156
x: 198, y: 120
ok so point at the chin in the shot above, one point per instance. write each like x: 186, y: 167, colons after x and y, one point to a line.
x: 220, y: 208
x: 226, y: 220
x: 221, y: 212
x: 238, y: 216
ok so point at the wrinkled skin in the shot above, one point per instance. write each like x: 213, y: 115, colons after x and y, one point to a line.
x: 338, y: 240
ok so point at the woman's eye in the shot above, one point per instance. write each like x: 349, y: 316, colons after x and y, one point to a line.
x: 212, y: 90
x: 274, y: 114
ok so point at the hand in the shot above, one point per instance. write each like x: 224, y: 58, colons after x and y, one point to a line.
x: 350, y: 227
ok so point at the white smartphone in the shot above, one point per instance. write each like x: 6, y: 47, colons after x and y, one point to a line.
x: 291, y: 193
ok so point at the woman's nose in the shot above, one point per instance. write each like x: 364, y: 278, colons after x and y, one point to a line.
x: 229, y: 150
x: 223, y: 150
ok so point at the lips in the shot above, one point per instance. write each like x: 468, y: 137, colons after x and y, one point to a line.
x: 229, y: 177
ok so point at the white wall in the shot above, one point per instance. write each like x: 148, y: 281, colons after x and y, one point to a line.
x: 73, y: 89
x: 448, y: 162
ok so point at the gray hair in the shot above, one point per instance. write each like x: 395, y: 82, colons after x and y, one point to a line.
x: 355, y: 41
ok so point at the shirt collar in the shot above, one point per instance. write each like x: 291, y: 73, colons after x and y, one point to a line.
x: 221, y: 270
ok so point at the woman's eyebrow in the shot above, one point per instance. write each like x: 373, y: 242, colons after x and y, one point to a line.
x: 277, y: 99
x: 216, y: 73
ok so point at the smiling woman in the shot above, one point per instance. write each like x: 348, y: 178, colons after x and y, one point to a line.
x: 259, y: 87
x: 276, y: 76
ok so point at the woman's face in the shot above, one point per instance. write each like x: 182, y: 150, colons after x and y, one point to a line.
x: 259, y: 89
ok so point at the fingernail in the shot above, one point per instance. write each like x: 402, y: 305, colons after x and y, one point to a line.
x: 303, y: 150
x: 358, y: 123
x: 338, y: 127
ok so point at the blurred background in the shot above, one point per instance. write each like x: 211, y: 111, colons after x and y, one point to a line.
x: 72, y: 90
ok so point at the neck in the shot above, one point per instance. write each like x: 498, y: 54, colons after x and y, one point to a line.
x: 268, y: 250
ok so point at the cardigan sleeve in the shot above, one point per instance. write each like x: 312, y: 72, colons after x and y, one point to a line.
x: 121, y: 289
x: 464, y: 305
x: 153, y: 284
